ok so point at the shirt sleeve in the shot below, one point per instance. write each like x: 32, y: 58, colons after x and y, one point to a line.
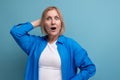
x: 21, y: 36
x: 83, y: 62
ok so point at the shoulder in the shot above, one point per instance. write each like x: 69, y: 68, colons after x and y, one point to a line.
x: 71, y: 42
x: 37, y: 38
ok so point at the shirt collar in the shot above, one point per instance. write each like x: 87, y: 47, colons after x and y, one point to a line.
x: 60, y: 39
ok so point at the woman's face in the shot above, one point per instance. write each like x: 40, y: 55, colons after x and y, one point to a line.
x: 52, y: 23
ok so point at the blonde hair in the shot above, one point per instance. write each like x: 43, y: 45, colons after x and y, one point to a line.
x: 43, y: 19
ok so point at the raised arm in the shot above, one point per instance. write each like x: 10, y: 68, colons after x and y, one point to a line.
x: 36, y: 23
x: 20, y: 33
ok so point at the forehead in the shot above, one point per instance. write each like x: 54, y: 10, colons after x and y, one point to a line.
x: 52, y: 12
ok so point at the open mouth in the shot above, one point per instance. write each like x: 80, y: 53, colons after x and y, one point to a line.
x: 53, y: 28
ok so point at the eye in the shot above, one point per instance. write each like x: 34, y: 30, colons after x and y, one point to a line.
x: 57, y: 18
x: 48, y: 18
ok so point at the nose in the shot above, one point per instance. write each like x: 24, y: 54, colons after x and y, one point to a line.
x: 53, y: 22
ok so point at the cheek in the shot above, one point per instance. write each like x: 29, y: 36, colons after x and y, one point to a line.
x: 47, y: 26
x: 60, y: 25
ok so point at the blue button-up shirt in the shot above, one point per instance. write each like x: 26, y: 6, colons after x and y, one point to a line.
x: 72, y: 55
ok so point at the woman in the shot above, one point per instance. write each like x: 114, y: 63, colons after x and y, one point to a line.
x: 53, y: 56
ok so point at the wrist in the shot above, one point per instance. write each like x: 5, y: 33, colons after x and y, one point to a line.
x: 36, y: 23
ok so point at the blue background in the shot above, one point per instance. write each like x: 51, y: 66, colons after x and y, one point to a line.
x: 95, y: 24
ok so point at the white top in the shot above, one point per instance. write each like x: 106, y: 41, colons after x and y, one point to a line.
x: 50, y: 63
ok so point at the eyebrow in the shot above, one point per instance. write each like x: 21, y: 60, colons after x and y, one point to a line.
x: 54, y: 16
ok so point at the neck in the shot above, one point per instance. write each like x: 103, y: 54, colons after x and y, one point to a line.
x: 52, y: 39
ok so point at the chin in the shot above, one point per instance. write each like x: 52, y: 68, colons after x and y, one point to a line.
x: 54, y: 34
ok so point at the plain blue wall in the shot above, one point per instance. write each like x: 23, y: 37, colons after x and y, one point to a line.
x: 95, y: 24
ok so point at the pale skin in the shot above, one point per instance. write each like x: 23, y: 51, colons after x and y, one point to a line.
x: 52, y: 25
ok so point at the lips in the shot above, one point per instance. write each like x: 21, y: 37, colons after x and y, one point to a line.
x: 53, y: 28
